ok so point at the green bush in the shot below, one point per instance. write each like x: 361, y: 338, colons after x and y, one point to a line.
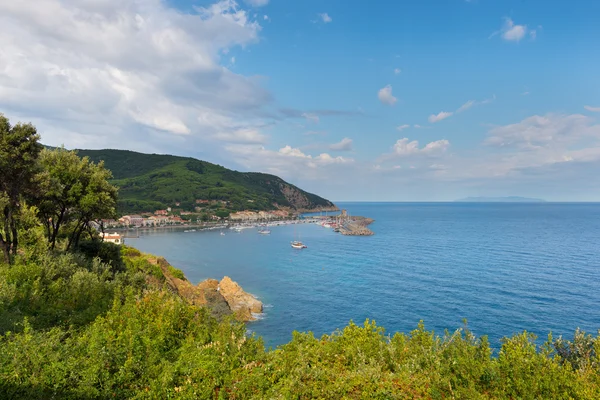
x: 109, y: 253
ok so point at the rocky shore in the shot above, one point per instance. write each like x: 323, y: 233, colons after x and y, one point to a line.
x: 357, y: 226
x: 222, y: 298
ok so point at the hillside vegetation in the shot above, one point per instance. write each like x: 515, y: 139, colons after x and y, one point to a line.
x: 148, y: 182
x: 85, y: 319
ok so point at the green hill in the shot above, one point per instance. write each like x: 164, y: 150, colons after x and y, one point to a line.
x: 153, y: 181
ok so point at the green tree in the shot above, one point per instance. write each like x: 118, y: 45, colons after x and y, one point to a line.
x: 77, y: 191
x: 19, y: 152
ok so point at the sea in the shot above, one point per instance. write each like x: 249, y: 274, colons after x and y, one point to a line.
x: 501, y: 268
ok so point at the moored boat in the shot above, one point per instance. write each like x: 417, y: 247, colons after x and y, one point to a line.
x: 298, y: 245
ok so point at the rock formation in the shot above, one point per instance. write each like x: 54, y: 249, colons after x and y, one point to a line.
x: 221, y: 298
x: 241, y: 303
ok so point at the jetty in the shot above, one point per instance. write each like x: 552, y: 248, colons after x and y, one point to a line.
x: 356, y: 226
x: 345, y: 224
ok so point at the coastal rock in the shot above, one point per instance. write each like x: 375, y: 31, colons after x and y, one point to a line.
x: 243, y: 304
x: 221, y: 298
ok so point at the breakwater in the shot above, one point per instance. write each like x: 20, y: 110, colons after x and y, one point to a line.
x: 356, y: 226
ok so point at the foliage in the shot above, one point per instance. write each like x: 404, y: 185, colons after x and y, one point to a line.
x: 73, y: 327
x: 150, y: 181
x: 76, y: 192
x: 19, y: 151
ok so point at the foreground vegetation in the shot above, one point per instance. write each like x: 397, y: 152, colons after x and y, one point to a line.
x: 84, y: 319
x: 148, y: 182
x: 76, y: 327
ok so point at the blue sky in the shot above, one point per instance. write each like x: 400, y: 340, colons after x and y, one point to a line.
x: 379, y: 100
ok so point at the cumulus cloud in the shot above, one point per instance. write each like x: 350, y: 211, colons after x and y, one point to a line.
x: 397, y: 71
x: 513, y: 32
x: 406, y: 147
x: 128, y: 68
x: 433, y: 118
x: 289, y: 162
x: 403, y: 127
x: 344, y: 145
x: 325, y: 18
x: 385, y: 95
x: 592, y: 109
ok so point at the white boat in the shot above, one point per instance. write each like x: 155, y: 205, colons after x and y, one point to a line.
x: 191, y: 230
x: 264, y: 232
x: 298, y: 245
x: 222, y: 233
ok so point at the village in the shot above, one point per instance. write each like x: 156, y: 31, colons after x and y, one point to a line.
x: 174, y: 217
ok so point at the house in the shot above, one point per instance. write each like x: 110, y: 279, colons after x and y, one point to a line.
x: 136, y: 220
x: 112, y: 238
x: 176, y: 220
x: 160, y: 212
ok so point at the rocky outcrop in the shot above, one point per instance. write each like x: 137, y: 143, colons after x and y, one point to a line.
x: 242, y: 304
x: 300, y: 200
x: 221, y: 298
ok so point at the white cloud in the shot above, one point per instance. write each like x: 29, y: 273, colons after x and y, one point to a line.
x: 592, y: 109
x: 417, y: 126
x: 511, y: 31
x: 403, y: 127
x: 266, y: 18
x: 405, y: 147
x: 466, y: 106
x: 397, y: 71
x: 344, y: 145
x: 549, y: 131
x: 526, y: 93
x: 433, y: 118
x: 325, y: 18
x: 290, y: 151
x: 326, y: 159
x: 469, y: 104
x: 385, y: 95
x: 137, y: 70
x: 311, y: 117
x: 244, y: 135
x: 257, y: 3
x: 290, y: 163
x: 533, y: 34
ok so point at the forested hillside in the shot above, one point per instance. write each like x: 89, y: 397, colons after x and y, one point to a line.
x: 148, y: 182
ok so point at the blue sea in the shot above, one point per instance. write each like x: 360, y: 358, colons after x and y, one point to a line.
x: 504, y: 268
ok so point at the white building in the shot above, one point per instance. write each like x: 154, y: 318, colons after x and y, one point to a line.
x: 112, y: 238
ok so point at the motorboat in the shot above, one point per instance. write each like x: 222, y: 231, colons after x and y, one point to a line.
x: 298, y: 245
x: 264, y: 232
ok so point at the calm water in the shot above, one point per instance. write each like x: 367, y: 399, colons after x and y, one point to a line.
x: 503, y: 267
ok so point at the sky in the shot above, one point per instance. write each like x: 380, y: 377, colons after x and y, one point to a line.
x: 352, y: 100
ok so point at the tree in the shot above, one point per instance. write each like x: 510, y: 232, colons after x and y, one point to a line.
x: 19, y: 152
x: 77, y: 191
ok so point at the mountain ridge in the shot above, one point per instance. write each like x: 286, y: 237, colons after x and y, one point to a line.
x: 148, y: 182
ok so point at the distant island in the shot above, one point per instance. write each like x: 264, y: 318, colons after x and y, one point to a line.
x: 509, y: 199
